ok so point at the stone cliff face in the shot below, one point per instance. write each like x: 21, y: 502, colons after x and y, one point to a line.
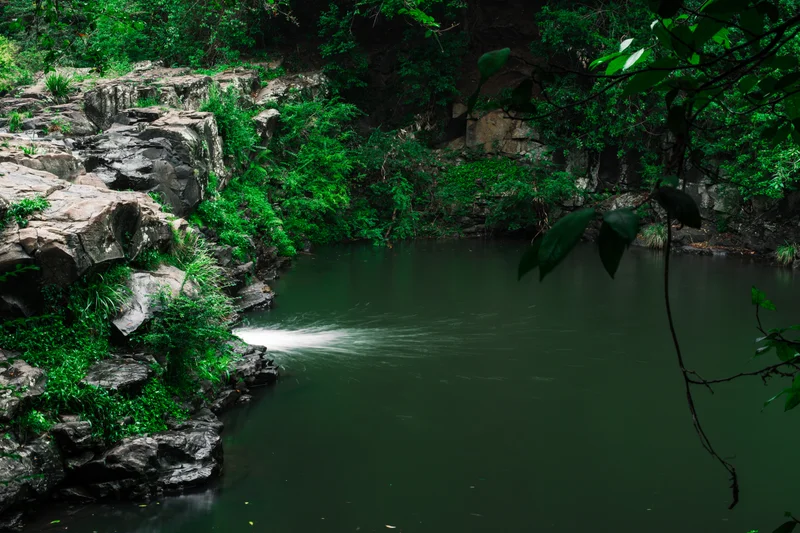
x: 98, y: 160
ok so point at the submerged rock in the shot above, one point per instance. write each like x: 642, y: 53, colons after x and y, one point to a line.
x: 20, y: 384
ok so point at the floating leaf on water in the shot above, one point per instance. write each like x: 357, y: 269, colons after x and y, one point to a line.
x: 251, y: 522
x: 390, y: 527
x: 56, y: 522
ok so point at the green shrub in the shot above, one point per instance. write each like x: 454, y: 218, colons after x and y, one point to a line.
x: 59, y: 85
x: 785, y: 254
x: 655, y: 236
x: 235, y: 124
x: 192, y: 330
x: 146, y: 102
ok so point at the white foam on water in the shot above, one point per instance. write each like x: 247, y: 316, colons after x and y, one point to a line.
x: 333, y: 340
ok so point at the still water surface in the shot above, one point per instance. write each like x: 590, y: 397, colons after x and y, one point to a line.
x: 426, y: 389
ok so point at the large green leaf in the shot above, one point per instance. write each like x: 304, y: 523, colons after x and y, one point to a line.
x: 625, y: 44
x: 562, y: 238
x: 705, y: 30
x: 787, y: 62
x: 611, y: 247
x: 787, y: 81
x: 624, y: 222
x: 786, y: 527
x: 643, y: 81
x: 636, y: 57
x: 679, y: 205
x: 490, y: 63
x: 757, y: 297
x: 616, y: 65
x: 784, y: 351
x: 530, y: 259
x: 792, y: 400
x: 752, y: 22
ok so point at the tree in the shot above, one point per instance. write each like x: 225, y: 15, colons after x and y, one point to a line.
x: 701, y: 64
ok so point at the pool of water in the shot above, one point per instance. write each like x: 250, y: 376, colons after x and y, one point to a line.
x: 426, y: 390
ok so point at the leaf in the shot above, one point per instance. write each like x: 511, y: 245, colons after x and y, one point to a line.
x: 757, y: 297
x: 490, y: 63
x: 644, y: 80
x: 624, y: 222
x: 530, y: 259
x: 625, y: 44
x: 597, y: 62
x: 782, y: 62
x: 787, y: 81
x: 705, y: 30
x: 679, y: 205
x: 784, y: 351
x: 792, y: 401
x: 781, y: 135
x: 781, y: 393
x: 786, y: 527
x: 611, y: 247
x: 668, y: 8
x: 752, y: 22
x: 616, y: 65
x: 639, y: 55
x: 561, y: 239
x: 724, y: 7
x: 747, y: 83
x: 56, y: 522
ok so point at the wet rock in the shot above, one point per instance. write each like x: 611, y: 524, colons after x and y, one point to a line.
x: 225, y: 400
x: 20, y: 384
x: 120, y: 374
x: 73, y: 437
x: 27, y: 473
x: 188, y: 457
x: 255, y: 296
x: 84, y: 227
x: 141, y: 306
x: 266, y: 123
x: 129, y: 470
x: 285, y: 88
x: 252, y: 366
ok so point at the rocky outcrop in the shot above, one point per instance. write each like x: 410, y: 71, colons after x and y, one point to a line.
x: 83, y: 227
x: 266, y: 123
x: 170, y: 87
x: 124, y: 374
x: 251, y: 367
x: 190, y: 455
x: 48, y: 155
x: 141, y: 305
x: 173, y: 155
x: 286, y: 88
x: 20, y: 384
x: 257, y: 295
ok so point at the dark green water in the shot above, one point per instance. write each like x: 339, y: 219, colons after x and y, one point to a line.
x: 450, y: 397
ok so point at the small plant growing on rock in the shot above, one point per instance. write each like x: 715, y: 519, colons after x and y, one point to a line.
x: 22, y: 210
x: 58, y: 84
x: 15, y: 120
x: 146, y: 102
x: 785, y: 253
x: 28, y: 150
x: 655, y: 236
x: 60, y: 125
